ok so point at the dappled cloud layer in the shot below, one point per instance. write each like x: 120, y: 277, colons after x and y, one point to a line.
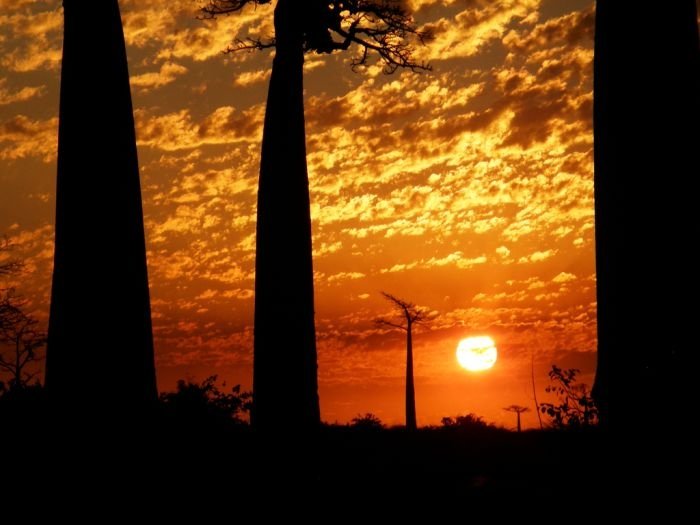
x: 468, y: 190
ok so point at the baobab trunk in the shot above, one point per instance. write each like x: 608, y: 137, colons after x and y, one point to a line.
x: 411, y: 423
x: 285, y: 369
x: 100, y: 344
x: 646, y: 91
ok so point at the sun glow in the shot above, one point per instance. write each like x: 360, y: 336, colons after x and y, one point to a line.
x: 477, y: 353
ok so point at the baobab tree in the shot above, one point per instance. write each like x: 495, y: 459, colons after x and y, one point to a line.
x: 518, y: 410
x: 100, y: 343
x: 408, y: 315
x: 285, y: 388
x: 646, y: 114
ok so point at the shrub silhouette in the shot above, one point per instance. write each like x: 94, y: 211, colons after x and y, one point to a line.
x: 469, y: 422
x: 576, y: 406
x: 205, y: 402
x: 367, y: 421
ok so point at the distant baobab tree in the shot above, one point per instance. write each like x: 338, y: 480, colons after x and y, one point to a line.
x: 408, y: 315
x: 518, y: 410
x: 100, y: 343
x: 285, y: 382
x: 646, y: 114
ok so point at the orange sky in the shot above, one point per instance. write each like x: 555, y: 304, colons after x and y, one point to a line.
x: 468, y: 190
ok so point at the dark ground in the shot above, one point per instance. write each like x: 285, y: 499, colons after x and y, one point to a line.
x: 353, y: 472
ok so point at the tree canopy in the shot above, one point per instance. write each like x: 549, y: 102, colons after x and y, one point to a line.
x: 384, y: 28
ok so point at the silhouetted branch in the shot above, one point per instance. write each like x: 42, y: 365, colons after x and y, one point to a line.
x: 251, y: 44
x: 18, y: 332
x: 517, y: 409
x: 384, y: 27
x: 383, y: 322
x: 411, y: 313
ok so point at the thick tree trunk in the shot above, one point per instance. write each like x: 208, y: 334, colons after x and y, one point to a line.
x: 411, y: 423
x: 646, y: 135
x: 285, y: 368
x: 100, y: 344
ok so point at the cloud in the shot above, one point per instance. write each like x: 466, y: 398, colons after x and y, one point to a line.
x: 167, y: 74
x: 482, y: 22
x: 537, y: 256
x: 248, y: 78
x: 571, y: 30
x: 33, y: 39
x: 26, y: 93
x: 503, y: 251
x: 22, y: 137
x: 177, y: 131
x: 564, y: 277
x: 455, y: 259
x: 173, y: 29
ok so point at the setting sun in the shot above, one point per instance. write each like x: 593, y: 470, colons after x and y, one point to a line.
x: 477, y: 353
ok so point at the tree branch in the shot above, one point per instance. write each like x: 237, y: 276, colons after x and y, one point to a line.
x: 383, y: 322
x: 384, y: 27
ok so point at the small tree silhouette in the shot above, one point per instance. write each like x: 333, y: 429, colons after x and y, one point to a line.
x: 468, y: 423
x: 518, y: 410
x: 576, y: 406
x: 367, y: 422
x: 205, y: 401
x: 410, y: 314
x: 20, y: 340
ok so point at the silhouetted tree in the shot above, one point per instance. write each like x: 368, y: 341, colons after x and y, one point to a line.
x: 285, y: 364
x: 206, y: 401
x: 576, y: 407
x: 20, y: 342
x: 518, y: 410
x: 367, y: 422
x: 100, y: 336
x: 646, y: 114
x: 467, y: 422
x: 409, y: 315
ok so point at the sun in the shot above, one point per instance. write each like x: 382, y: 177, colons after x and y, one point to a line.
x: 477, y: 353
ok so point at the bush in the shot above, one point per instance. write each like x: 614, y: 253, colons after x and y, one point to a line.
x: 467, y: 422
x: 368, y: 422
x: 575, y: 408
x: 205, y: 401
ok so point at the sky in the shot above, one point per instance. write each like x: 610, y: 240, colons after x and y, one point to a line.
x: 467, y: 190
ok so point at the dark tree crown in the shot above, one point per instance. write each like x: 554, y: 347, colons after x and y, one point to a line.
x: 383, y: 27
x: 408, y: 314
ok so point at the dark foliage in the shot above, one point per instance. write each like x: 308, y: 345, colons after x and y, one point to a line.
x: 21, y: 340
x: 468, y: 422
x: 367, y: 421
x: 576, y: 407
x: 382, y: 27
x: 206, y: 402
